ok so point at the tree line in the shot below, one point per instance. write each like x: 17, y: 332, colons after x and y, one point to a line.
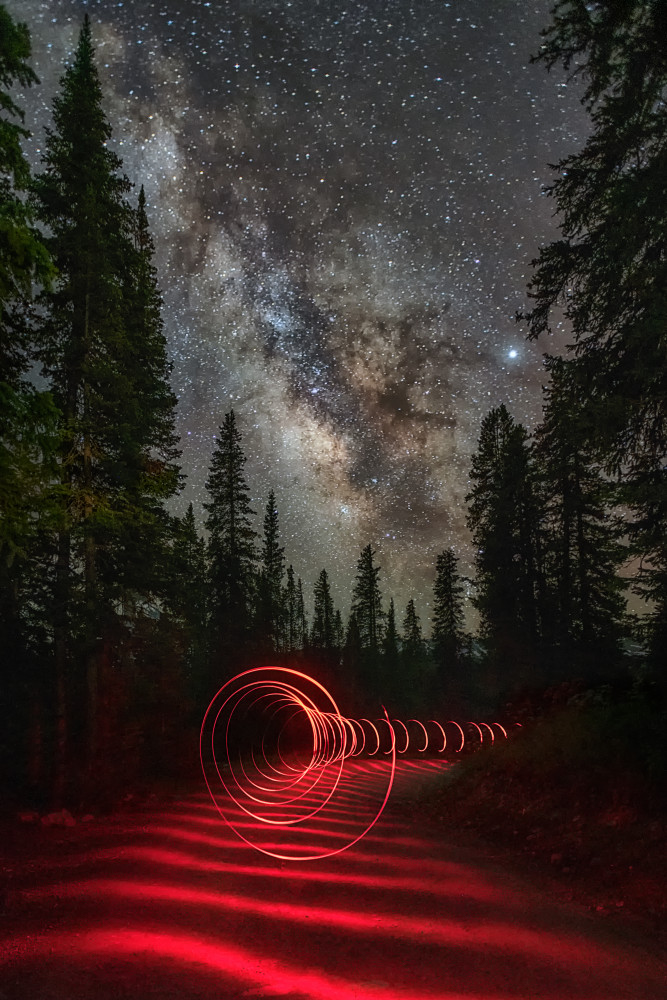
x: 118, y: 620
x: 251, y: 604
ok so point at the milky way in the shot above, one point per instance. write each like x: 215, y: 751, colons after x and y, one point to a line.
x: 345, y: 197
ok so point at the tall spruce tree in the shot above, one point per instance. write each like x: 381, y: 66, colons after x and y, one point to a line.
x: 145, y: 461
x: 412, y: 644
x: 231, y: 552
x: 24, y: 259
x: 270, y: 615
x: 503, y: 520
x: 368, y: 614
x: 413, y: 660
x: 607, y: 271
x: 583, y: 549
x: 390, y: 638
x: 448, y: 616
x: 28, y: 420
x: 105, y: 361
x: 367, y: 601
x: 25, y: 415
x: 393, y: 681
x: 323, y: 633
x: 292, y: 637
x: 302, y: 632
x: 296, y: 625
x: 338, y: 631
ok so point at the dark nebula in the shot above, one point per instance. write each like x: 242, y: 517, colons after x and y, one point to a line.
x: 345, y: 199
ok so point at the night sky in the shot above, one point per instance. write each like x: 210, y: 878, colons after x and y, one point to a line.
x: 345, y: 198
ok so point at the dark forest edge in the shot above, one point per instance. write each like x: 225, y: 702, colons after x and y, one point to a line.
x: 118, y: 620
x: 578, y: 794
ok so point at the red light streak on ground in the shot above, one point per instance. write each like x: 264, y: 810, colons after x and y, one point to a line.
x: 445, y: 932
x: 122, y: 913
x: 272, y: 978
x: 445, y: 879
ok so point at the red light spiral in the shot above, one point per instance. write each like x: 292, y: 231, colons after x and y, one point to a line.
x: 276, y: 749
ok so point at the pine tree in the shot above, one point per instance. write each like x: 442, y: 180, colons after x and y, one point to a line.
x: 607, y: 272
x: 302, y: 632
x: 367, y: 609
x: 145, y: 458
x: 28, y: 419
x: 296, y: 625
x: 390, y: 638
x: 290, y: 612
x: 149, y: 367
x: 412, y: 645
x: 270, y: 623
x: 413, y: 660
x: 24, y: 259
x: 338, y: 631
x: 322, y: 634
x: 367, y: 602
x: 582, y: 538
x: 231, y: 550
x: 392, y: 679
x: 503, y: 520
x: 105, y: 361
x: 448, y: 615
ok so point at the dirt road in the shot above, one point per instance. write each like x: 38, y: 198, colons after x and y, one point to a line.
x: 168, y: 902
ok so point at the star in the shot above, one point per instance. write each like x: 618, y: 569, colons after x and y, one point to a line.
x: 344, y: 209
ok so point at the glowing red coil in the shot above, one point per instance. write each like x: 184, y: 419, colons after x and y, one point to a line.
x: 301, y: 768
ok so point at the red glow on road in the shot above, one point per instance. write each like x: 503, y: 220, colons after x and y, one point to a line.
x: 264, y: 976
x: 296, y: 768
x: 159, y: 903
x: 486, y: 935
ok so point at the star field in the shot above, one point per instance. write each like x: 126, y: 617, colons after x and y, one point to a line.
x: 345, y: 198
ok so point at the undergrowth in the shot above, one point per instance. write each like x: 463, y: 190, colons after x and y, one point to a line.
x: 597, y: 740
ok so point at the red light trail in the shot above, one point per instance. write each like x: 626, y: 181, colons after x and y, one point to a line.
x: 274, y: 747
x: 168, y: 901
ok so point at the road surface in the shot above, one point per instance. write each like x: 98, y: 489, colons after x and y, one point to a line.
x: 168, y: 902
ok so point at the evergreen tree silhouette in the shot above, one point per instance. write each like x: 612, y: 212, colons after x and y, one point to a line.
x: 302, y: 633
x: 270, y: 619
x: 28, y: 439
x: 323, y: 632
x: 367, y: 601
x: 24, y: 259
x: 292, y: 635
x: 367, y: 609
x: 607, y: 270
x: 448, y: 620
x: 582, y: 541
x: 104, y: 357
x: 393, y: 680
x: 503, y: 520
x: 231, y: 552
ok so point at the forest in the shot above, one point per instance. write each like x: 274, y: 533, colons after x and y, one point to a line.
x: 119, y: 620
